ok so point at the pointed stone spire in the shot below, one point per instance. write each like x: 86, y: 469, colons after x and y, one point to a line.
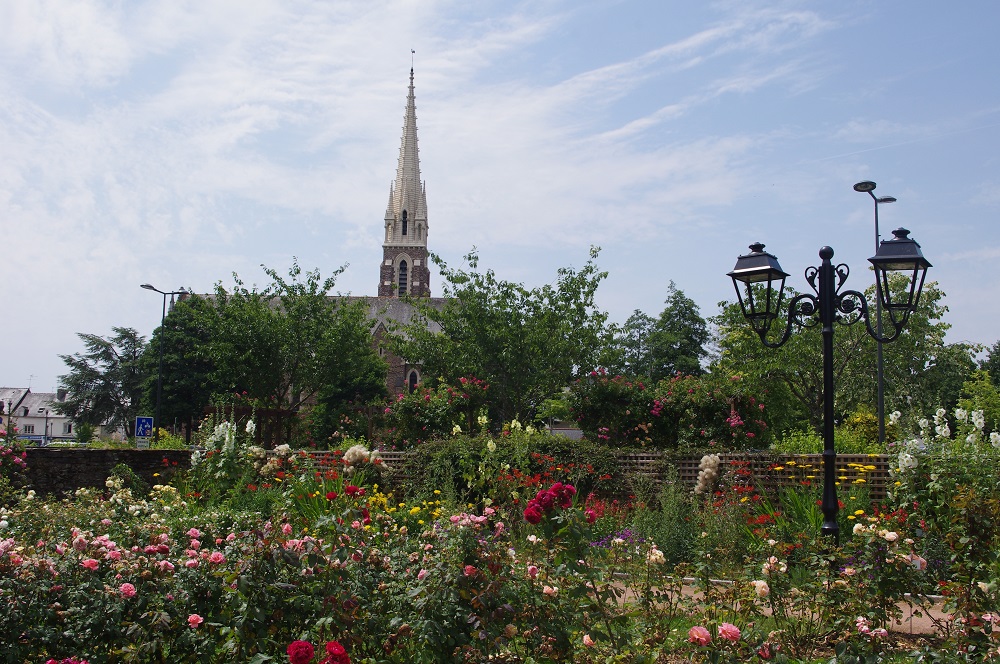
x: 408, y: 192
x: 404, y: 265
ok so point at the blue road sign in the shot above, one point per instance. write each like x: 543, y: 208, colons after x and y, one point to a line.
x: 143, y: 427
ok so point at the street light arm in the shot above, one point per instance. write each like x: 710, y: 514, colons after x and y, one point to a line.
x: 801, y: 309
x: 852, y: 301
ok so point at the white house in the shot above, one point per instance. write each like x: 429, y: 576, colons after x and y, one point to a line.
x: 34, y: 415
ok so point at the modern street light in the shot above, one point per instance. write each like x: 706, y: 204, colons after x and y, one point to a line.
x: 867, y: 187
x: 762, y: 295
x: 159, y: 372
x: 45, y: 429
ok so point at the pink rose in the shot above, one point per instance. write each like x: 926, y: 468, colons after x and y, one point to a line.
x: 699, y: 635
x: 194, y: 533
x: 113, y: 555
x: 533, y: 571
x: 216, y: 558
x: 470, y: 570
x: 90, y: 564
x: 127, y: 590
x: 192, y: 563
x: 195, y: 544
x: 729, y: 632
x: 587, y: 641
x: 165, y: 566
x: 194, y: 620
x: 286, y: 528
x: 421, y: 575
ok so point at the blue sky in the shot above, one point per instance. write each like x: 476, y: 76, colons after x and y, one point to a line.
x: 178, y: 142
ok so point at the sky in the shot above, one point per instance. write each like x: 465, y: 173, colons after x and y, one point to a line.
x: 178, y: 142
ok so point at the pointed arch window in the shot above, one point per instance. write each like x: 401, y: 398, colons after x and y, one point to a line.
x: 412, y: 381
x: 404, y: 222
x: 401, y: 280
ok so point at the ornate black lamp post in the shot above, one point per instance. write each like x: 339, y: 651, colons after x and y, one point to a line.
x: 761, y: 298
x: 159, y: 372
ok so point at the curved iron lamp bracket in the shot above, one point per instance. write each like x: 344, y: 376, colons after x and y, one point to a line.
x: 852, y: 302
x: 801, y: 311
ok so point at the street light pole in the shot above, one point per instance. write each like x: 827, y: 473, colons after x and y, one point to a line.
x: 762, y: 303
x: 159, y: 371
x: 867, y: 186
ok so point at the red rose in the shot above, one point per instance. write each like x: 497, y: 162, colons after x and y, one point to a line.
x: 336, y: 654
x: 533, y: 513
x: 300, y: 652
x: 332, y: 495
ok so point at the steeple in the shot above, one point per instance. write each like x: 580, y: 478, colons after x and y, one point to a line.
x: 404, y: 264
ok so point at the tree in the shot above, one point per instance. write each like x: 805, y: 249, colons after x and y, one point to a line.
x: 991, y: 363
x: 289, y: 342
x: 527, y: 344
x: 105, y: 383
x: 677, y: 342
x: 659, y: 348
x: 188, y: 367
x: 919, y: 368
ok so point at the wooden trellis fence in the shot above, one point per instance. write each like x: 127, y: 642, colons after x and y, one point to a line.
x: 767, y: 472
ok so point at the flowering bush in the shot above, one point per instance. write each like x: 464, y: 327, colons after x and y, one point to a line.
x: 682, y: 412
x: 428, y: 412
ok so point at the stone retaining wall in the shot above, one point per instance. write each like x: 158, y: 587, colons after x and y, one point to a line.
x: 54, y: 471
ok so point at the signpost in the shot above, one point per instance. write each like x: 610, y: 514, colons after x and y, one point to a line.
x: 143, y: 430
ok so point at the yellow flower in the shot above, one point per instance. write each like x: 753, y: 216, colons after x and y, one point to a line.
x: 414, y: 510
x: 437, y: 492
x: 779, y: 467
x: 851, y: 517
x: 859, y: 481
x: 420, y: 522
x: 859, y: 512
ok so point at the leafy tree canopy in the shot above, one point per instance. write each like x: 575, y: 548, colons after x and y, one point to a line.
x: 526, y: 343
x: 920, y: 370
x: 188, y: 366
x: 291, y: 341
x: 663, y: 347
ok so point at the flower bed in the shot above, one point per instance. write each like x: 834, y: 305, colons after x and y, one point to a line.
x: 250, y: 557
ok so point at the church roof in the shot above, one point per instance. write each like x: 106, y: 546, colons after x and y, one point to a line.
x: 392, y: 312
x: 408, y: 191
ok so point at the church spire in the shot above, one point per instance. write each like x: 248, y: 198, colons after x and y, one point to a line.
x: 404, y: 265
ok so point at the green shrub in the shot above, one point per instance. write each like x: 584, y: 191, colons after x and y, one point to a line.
x: 511, y: 466
x: 129, y: 480
x: 846, y: 440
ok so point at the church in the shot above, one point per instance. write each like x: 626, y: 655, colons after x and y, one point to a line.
x: 404, y: 270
